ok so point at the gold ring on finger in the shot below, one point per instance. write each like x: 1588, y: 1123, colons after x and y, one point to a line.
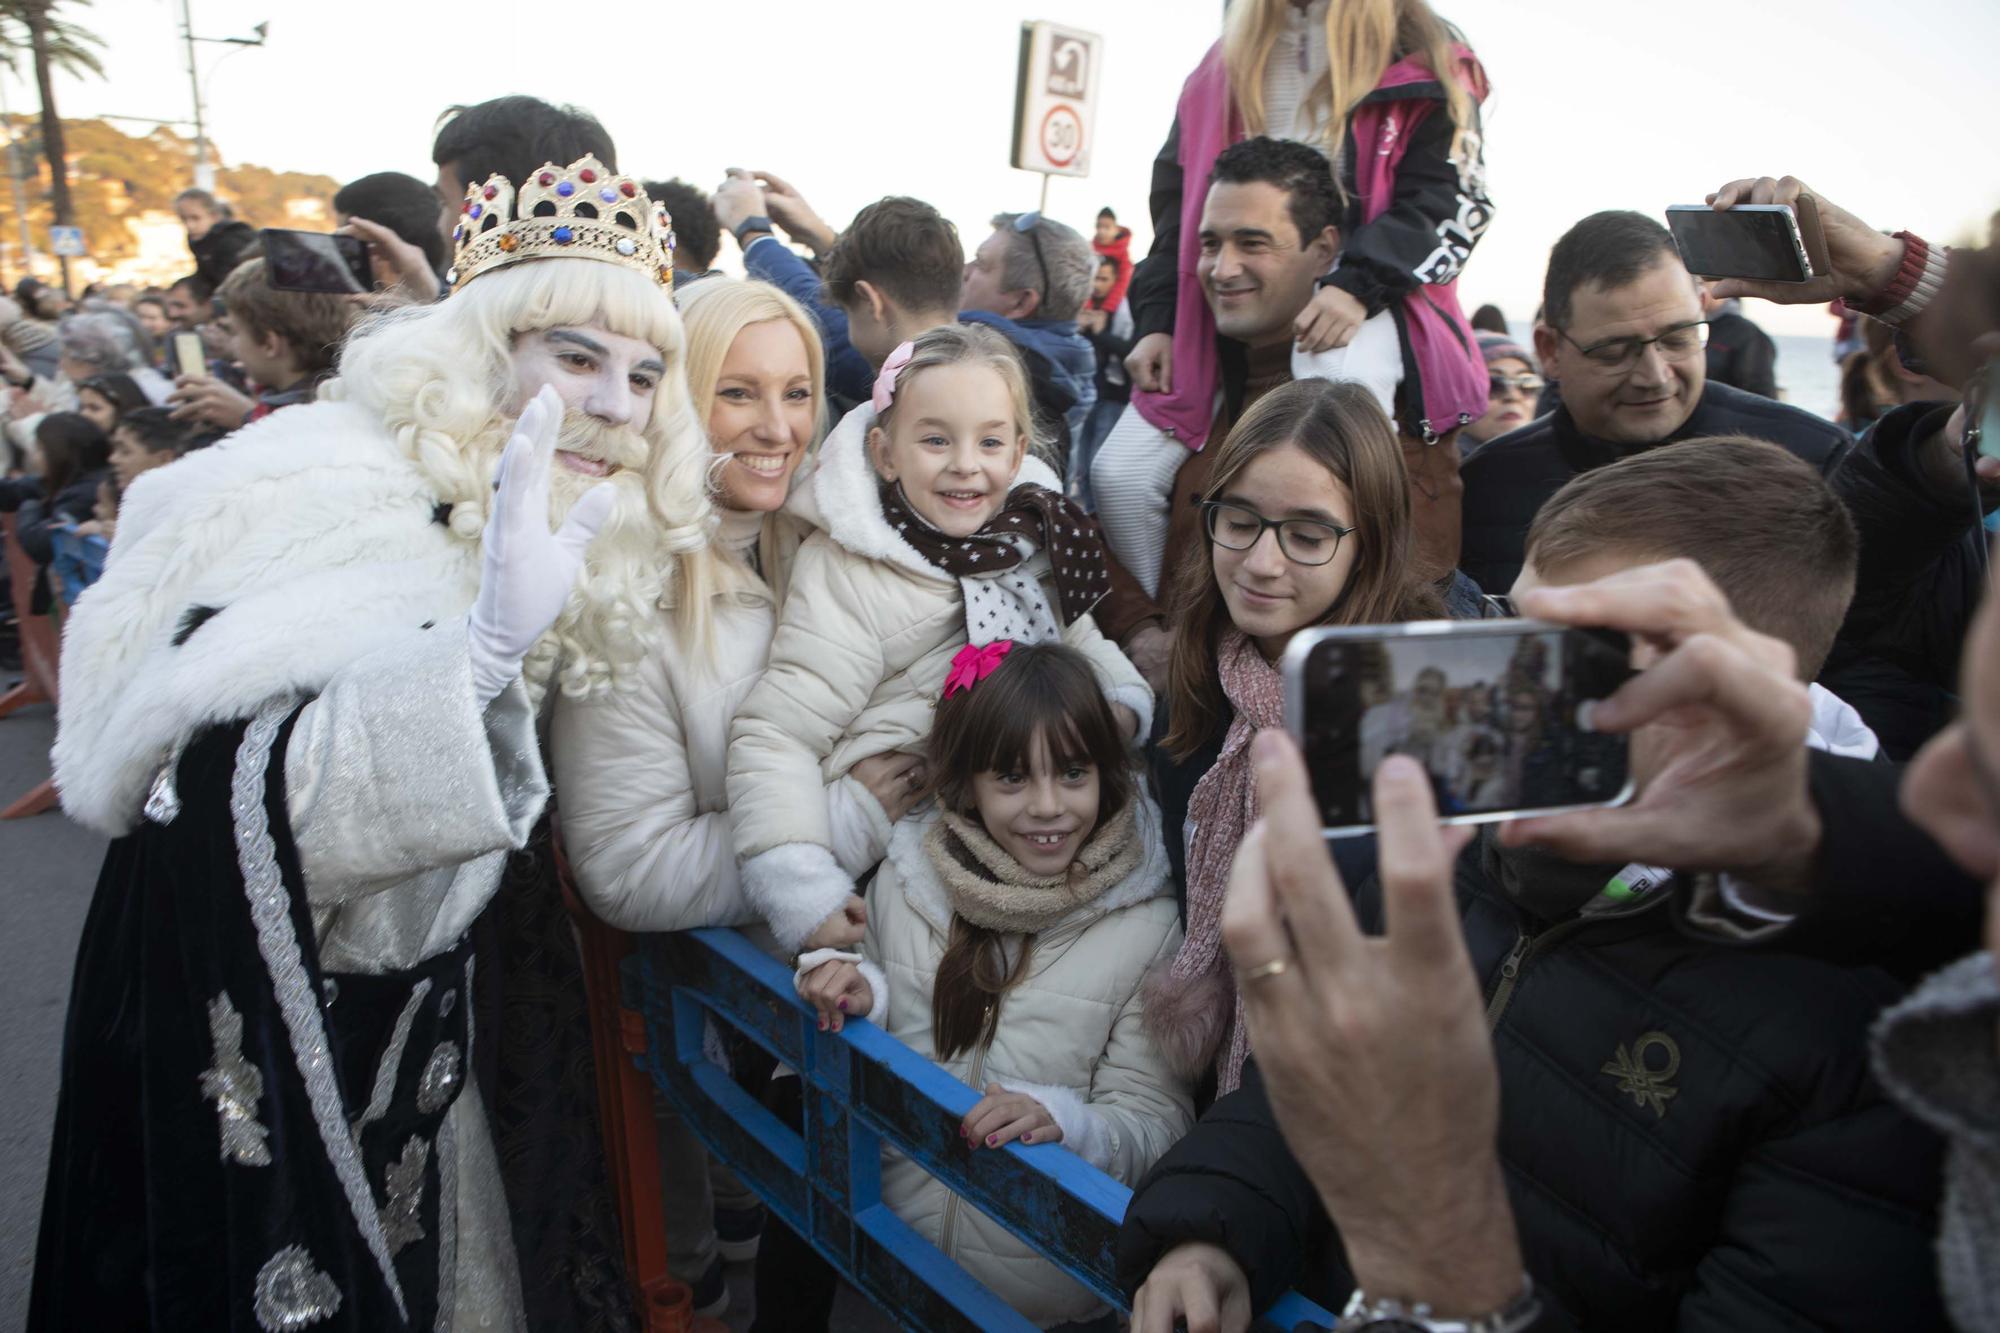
x: 1264, y: 971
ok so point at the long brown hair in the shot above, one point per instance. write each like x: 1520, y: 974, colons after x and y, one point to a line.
x: 1040, y: 694
x: 1363, y: 38
x: 1341, y: 427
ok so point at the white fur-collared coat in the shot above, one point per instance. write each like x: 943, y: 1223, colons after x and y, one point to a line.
x: 857, y: 666
x: 300, y: 558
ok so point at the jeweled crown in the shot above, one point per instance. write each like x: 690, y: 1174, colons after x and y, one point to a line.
x: 583, y: 211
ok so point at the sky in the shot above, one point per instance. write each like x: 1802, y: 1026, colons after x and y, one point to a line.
x: 1881, y: 106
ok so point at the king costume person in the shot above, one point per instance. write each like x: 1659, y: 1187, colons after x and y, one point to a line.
x: 301, y: 700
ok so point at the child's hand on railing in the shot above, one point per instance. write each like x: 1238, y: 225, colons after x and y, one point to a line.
x: 1000, y: 1117
x: 839, y: 991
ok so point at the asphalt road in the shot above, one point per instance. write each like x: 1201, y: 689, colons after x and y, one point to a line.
x: 47, y: 868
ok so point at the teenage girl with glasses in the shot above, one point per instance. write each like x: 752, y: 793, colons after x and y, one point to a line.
x: 1307, y: 517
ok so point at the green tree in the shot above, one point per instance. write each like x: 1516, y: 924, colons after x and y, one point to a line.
x: 53, y: 44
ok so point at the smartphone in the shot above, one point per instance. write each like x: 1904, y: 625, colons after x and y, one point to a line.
x: 1756, y: 241
x: 190, y: 358
x: 1497, y: 711
x: 1982, y: 405
x: 316, y: 261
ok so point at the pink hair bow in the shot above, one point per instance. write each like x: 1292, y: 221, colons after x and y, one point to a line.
x: 885, y: 383
x: 971, y: 665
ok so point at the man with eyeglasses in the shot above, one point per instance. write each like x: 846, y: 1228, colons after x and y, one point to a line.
x: 1622, y: 332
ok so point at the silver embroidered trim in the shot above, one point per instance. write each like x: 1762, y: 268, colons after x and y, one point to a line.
x: 270, y: 912
x: 392, y: 1062
x: 236, y: 1085
x: 447, y: 1148
x: 403, y: 1188
x: 440, y: 1080
x: 292, y: 1293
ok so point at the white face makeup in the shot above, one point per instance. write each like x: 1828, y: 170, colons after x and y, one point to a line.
x: 605, y: 377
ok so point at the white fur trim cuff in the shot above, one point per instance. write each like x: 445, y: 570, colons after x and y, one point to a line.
x: 878, y: 985
x: 1085, y: 1132
x: 794, y: 887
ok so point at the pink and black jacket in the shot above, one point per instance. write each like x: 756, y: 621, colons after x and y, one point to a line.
x: 1414, y: 217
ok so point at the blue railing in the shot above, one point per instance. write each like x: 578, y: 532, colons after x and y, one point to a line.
x: 864, y: 1089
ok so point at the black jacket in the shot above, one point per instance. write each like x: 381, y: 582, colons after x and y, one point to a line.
x: 1742, y: 355
x: 224, y: 246
x: 1771, y: 1186
x: 1507, y: 480
x: 1896, y: 659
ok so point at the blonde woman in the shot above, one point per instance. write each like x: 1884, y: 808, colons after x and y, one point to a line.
x: 1388, y: 91
x: 645, y: 816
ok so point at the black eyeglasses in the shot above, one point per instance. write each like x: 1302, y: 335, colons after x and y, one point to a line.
x: 1030, y: 225
x: 1676, y: 344
x: 1303, y: 541
x: 1499, y: 385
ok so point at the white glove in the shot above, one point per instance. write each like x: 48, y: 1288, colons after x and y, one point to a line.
x: 527, y: 571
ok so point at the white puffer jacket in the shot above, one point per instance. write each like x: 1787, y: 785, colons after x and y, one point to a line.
x: 1070, y: 1034
x: 645, y: 813
x: 866, y: 638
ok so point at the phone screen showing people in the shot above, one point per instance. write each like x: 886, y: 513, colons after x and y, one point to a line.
x: 1497, y: 713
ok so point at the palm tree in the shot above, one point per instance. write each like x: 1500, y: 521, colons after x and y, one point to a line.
x: 54, y: 44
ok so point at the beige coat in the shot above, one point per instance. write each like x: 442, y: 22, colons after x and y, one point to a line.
x: 1071, y: 1035
x: 866, y: 638
x: 645, y: 815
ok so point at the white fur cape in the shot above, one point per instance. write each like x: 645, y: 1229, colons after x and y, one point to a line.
x: 277, y: 557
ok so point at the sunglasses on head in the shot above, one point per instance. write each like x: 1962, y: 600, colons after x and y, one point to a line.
x: 1030, y: 225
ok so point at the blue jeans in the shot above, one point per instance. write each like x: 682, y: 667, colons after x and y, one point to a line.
x: 1103, y: 416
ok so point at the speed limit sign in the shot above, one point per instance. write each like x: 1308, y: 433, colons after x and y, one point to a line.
x: 1055, y: 102
x: 1062, y: 134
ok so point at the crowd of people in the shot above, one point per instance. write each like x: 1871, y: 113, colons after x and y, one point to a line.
x: 915, y: 603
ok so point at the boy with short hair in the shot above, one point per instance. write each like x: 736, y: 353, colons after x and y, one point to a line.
x: 1759, y: 521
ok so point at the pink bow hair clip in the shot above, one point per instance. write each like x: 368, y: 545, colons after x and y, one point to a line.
x: 885, y: 383
x: 970, y: 665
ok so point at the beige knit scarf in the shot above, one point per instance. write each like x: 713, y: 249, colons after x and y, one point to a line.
x: 999, y: 894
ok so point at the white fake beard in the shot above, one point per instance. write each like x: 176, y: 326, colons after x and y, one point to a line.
x: 607, y: 622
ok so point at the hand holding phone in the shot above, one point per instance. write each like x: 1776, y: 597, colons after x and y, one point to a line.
x: 190, y: 357
x: 1498, y: 712
x: 1760, y: 242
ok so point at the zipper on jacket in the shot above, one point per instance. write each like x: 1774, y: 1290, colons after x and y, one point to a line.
x: 950, y: 1222
x: 1526, y: 946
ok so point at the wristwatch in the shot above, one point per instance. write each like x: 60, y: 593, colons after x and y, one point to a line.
x: 749, y: 226
x: 1386, y: 1315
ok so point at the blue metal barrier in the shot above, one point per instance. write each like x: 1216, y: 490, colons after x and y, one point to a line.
x: 864, y: 1089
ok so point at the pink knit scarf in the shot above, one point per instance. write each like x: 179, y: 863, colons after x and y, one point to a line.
x: 1222, y: 808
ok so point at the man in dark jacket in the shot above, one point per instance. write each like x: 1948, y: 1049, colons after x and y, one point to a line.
x: 1740, y: 354
x: 1028, y: 279
x: 1622, y: 332
x: 1897, y: 656
x: 1688, y: 1133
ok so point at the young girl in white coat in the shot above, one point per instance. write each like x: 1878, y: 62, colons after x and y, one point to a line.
x: 934, y: 528
x: 1008, y: 933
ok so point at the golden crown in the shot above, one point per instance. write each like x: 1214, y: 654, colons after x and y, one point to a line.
x: 583, y: 211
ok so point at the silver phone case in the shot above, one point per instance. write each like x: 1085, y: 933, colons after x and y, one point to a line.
x: 1292, y: 668
x: 1791, y: 229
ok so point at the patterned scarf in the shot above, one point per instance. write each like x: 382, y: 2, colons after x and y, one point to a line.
x: 1221, y: 810
x: 1034, y: 518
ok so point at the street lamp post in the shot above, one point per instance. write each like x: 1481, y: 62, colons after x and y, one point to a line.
x: 204, y: 169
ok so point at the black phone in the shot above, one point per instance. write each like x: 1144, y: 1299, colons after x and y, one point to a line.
x: 316, y: 261
x: 1757, y: 241
x: 1497, y: 711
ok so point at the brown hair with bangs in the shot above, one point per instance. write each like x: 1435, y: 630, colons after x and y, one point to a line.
x: 1041, y: 695
x: 1341, y: 427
